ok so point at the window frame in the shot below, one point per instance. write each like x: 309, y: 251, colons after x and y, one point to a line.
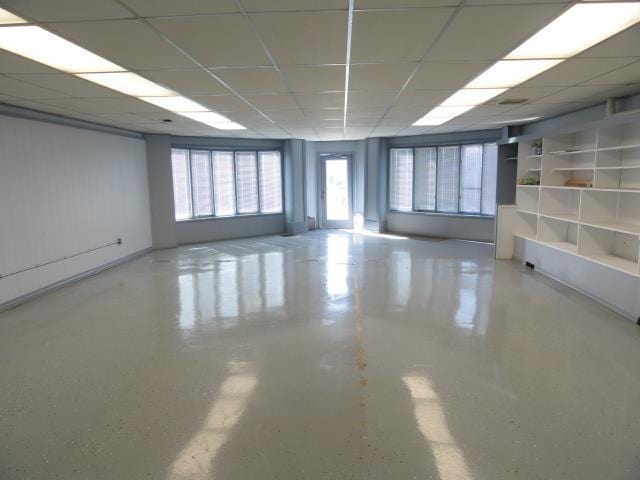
x: 457, y: 213
x: 233, y: 151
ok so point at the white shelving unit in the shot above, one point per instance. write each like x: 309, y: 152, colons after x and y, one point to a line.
x: 599, y: 223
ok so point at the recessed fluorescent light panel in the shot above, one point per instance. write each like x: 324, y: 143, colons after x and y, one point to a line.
x: 515, y: 120
x: 7, y: 18
x: 37, y: 44
x: 471, y: 96
x: 128, y: 83
x: 177, y: 104
x: 431, y: 121
x: 509, y: 73
x: 579, y: 28
x: 205, y: 117
x: 227, y: 126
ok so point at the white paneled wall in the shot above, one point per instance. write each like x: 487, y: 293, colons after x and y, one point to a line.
x: 64, y: 190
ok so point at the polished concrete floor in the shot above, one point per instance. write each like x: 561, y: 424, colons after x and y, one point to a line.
x: 326, y: 356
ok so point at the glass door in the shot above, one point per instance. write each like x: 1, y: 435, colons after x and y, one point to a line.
x: 336, y: 191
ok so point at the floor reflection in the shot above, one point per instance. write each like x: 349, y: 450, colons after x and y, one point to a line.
x: 337, y: 265
x: 432, y: 423
x: 196, y: 461
x: 235, y: 288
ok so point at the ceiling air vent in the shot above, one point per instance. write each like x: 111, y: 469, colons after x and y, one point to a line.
x: 513, y: 101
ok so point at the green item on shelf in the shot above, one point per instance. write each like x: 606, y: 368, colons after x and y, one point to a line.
x: 528, y: 181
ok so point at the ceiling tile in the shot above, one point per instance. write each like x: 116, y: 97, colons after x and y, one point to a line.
x: 405, y: 113
x: 128, y: 43
x: 294, y: 114
x: 423, y: 97
x: 575, y: 71
x: 222, y: 103
x: 526, y: 93
x: 395, y: 35
x: 314, y: 78
x: 625, y: 75
x: 591, y: 93
x: 486, y: 33
x: 293, y: 5
x: 63, y: 10
x: 10, y: 63
x: 168, y: 8
x: 362, y: 4
x: 252, y: 80
x: 320, y: 100
x: 187, y: 81
x: 20, y: 89
x: 624, y: 44
x: 371, y: 99
x: 304, y: 37
x: 215, y: 41
x: 125, y: 104
x: 324, y: 113
x: 379, y: 76
x: 272, y: 101
x: 366, y: 112
x: 39, y: 106
x: 446, y: 75
x: 70, y: 85
x: 83, y: 105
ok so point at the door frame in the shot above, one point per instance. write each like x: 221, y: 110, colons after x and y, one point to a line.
x: 321, y: 186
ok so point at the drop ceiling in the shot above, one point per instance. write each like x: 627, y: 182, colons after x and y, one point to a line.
x: 278, y: 66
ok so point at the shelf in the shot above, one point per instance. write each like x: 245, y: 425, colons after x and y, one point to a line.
x: 528, y: 186
x: 621, y: 167
x: 613, y: 261
x: 565, y: 246
x: 618, y: 147
x: 591, y: 150
x: 512, y: 158
x: 570, y: 169
x: 528, y: 212
x: 614, y: 227
x: 534, y: 156
x: 573, y: 152
x: 565, y: 217
x: 525, y: 237
x: 533, y: 170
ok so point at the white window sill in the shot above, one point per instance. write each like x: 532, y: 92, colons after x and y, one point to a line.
x: 228, y: 217
x: 442, y: 214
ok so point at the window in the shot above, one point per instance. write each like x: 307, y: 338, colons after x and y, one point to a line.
x: 221, y: 183
x: 270, y: 182
x: 401, y: 191
x: 201, y: 183
x: 448, y: 179
x: 425, y: 165
x: 247, y: 182
x: 181, y: 183
x: 470, y: 178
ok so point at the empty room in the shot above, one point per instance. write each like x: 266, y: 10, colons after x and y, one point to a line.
x: 319, y: 239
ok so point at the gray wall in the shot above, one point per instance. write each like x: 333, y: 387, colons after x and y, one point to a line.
x: 168, y: 233
x: 224, y: 228
x: 294, y: 186
x: 434, y: 224
x: 442, y: 226
x: 65, y: 193
x: 313, y: 150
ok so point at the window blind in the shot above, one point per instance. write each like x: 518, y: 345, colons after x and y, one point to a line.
x: 201, y: 183
x: 489, y: 178
x: 470, y: 178
x: 425, y: 185
x: 223, y: 183
x: 181, y: 183
x: 448, y: 179
x: 246, y: 182
x: 401, y: 179
x: 270, y: 182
